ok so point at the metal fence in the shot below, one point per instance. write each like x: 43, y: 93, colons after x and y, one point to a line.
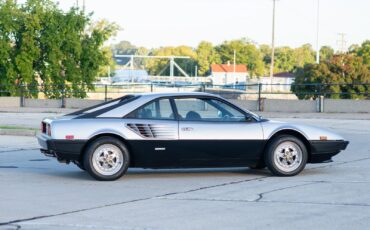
x: 235, y: 91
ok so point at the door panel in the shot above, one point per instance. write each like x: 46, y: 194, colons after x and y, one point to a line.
x: 215, y: 132
x: 153, y: 133
x: 153, y: 143
x: 215, y: 143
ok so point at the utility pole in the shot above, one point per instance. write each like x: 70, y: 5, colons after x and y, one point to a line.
x: 342, y: 42
x: 272, y: 44
x: 172, y: 69
x: 83, y: 6
x: 234, y: 66
x: 317, y: 33
x: 132, y: 68
x: 109, y: 79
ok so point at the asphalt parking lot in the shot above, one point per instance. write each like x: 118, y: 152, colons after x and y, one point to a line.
x: 39, y: 193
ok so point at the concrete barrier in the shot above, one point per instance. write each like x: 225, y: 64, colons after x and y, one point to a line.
x: 75, y: 103
x: 280, y: 105
x: 42, y: 103
x: 346, y: 106
x: 268, y: 105
x: 6, y: 102
x: 251, y: 105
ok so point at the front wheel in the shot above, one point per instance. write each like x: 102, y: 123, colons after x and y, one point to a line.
x: 106, y: 158
x: 286, y: 156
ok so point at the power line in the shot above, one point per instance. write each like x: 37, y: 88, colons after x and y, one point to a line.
x: 342, y: 43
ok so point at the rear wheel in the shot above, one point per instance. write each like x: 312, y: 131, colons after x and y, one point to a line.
x: 106, y: 158
x: 286, y: 156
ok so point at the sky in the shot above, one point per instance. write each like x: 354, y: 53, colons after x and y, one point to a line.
x: 155, y: 23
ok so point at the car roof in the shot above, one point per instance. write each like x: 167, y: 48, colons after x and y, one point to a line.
x: 174, y: 94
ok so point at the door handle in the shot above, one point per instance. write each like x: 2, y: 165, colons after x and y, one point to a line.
x: 187, y: 129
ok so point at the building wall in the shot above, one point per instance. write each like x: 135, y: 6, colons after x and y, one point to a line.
x: 223, y: 78
x: 284, y: 81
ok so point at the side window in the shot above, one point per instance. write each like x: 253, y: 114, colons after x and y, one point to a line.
x: 204, y: 109
x: 159, y: 109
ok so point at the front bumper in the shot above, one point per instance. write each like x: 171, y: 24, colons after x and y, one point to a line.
x: 324, y: 150
x: 61, y: 149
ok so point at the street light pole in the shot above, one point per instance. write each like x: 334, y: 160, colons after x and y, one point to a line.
x: 317, y: 33
x: 272, y: 44
x: 234, y: 67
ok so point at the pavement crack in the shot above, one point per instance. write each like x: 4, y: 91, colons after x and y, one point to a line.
x: 319, y: 203
x: 262, y: 194
x: 166, y: 195
x: 70, y: 212
x: 272, y: 201
x: 127, y: 202
x: 212, y: 186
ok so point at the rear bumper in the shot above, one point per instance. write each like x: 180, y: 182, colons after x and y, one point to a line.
x: 62, y: 149
x: 324, y: 150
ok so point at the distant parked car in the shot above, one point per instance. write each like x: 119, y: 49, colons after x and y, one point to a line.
x: 178, y: 130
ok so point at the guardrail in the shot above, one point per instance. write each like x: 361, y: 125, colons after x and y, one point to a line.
x: 236, y: 91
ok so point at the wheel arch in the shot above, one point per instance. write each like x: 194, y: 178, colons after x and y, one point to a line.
x: 290, y: 132
x: 120, y: 138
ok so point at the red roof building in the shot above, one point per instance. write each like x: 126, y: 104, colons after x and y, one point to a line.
x: 228, y: 68
x: 223, y: 74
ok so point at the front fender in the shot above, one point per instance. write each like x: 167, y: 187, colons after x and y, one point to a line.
x: 270, y: 128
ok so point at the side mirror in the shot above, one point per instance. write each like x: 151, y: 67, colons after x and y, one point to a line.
x: 248, y: 118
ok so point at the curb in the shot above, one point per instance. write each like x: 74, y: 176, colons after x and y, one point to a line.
x: 18, y: 132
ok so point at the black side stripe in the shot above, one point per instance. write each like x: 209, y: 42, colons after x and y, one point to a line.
x: 96, y: 106
x: 123, y: 100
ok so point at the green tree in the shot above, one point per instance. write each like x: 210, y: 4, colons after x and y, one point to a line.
x: 127, y: 48
x: 109, y: 65
x: 124, y: 47
x: 343, y: 77
x: 8, y: 29
x: 266, y: 57
x: 326, y: 53
x: 161, y: 67
x: 246, y: 53
x: 284, y: 59
x: 206, y: 55
x: 39, y: 43
x: 364, y: 52
x: 304, y: 55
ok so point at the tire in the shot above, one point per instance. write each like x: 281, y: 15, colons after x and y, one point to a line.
x: 106, y: 159
x: 286, y: 156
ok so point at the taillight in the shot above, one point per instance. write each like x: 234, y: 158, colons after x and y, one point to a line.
x: 49, y: 130
x: 43, y: 127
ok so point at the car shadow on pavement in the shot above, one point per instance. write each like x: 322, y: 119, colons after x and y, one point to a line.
x: 139, y: 173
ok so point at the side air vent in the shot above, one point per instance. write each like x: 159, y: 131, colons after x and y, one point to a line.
x: 152, y: 130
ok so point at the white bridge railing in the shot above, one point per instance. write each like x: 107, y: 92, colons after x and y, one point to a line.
x: 180, y: 79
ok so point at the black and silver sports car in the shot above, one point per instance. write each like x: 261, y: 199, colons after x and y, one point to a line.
x: 172, y: 130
